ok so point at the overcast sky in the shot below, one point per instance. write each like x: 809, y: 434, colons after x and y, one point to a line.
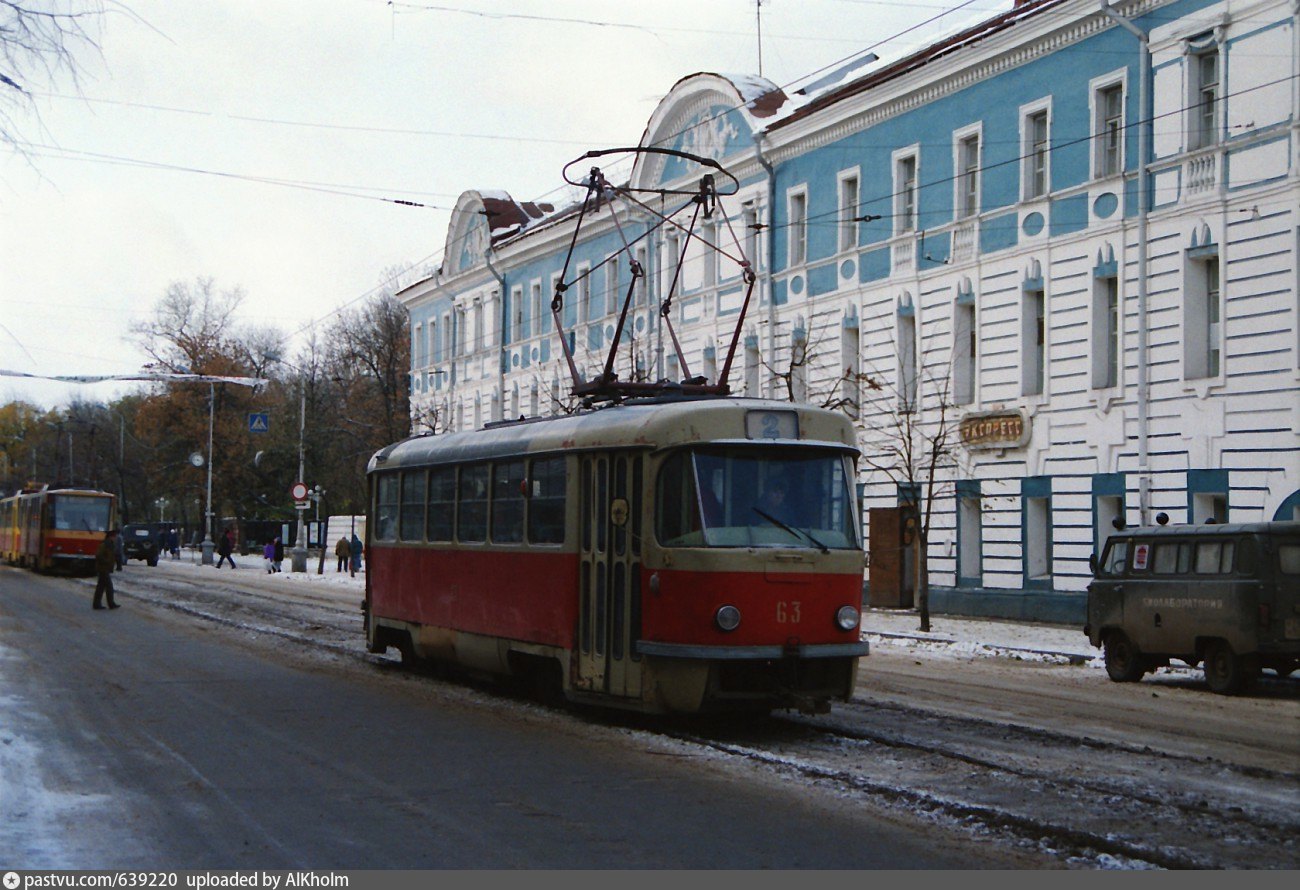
x: 251, y: 141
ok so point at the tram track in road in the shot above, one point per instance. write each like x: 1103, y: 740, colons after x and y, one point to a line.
x: 1026, y: 793
x: 1092, y: 801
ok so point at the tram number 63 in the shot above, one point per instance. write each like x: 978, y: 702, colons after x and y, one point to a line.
x: 787, y: 613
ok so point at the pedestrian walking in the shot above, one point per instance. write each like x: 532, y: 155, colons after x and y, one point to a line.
x: 344, y: 553
x: 119, y: 551
x: 105, y: 562
x: 226, y: 547
x: 174, y: 543
x: 355, y: 548
x: 278, y: 557
x: 268, y: 556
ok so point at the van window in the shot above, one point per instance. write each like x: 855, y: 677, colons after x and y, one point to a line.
x: 1288, y: 557
x: 1166, y: 560
x: 1116, y: 555
x: 1214, y: 557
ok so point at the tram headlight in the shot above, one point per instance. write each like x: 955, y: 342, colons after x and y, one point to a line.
x: 727, y: 618
x: 846, y: 618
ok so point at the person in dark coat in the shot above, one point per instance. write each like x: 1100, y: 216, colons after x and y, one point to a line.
x: 355, y: 549
x: 105, y: 562
x: 344, y: 554
x: 226, y: 547
x: 278, y: 555
x: 174, y: 543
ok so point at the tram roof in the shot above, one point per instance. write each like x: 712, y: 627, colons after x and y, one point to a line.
x: 648, y: 424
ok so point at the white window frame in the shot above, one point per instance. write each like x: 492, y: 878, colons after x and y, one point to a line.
x: 1033, y: 341
x: 908, y: 369
x: 966, y: 182
x: 749, y: 218
x: 1203, y: 342
x: 535, y: 295
x: 1103, y: 126
x: 517, y: 331
x: 582, y: 293
x: 642, y: 255
x: 613, y: 296
x: 1204, y: 126
x: 965, y: 334
x: 1106, y: 346
x: 906, y: 164
x: 1031, y: 189
x: 796, y: 205
x: 849, y: 201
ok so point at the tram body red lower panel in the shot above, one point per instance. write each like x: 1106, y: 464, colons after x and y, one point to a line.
x: 796, y: 608
x: 519, y: 596
x: 534, y: 596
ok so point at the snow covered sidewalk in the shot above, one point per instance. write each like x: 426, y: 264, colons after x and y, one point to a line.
x: 965, y: 637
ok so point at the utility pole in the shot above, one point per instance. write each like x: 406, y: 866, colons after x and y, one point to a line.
x: 758, y: 17
x: 1145, y: 115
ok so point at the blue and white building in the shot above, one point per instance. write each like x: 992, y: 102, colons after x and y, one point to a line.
x: 1097, y: 300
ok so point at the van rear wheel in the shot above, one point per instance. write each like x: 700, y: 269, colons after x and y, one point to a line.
x: 1226, y: 672
x: 1123, y: 658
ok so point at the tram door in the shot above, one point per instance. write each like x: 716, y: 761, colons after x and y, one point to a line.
x: 609, y: 607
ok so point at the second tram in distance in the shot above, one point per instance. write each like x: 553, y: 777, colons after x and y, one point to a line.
x: 55, y: 529
x: 667, y: 555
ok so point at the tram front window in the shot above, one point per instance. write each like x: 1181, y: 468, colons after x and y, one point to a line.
x: 80, y: 514
x: 756, y: 497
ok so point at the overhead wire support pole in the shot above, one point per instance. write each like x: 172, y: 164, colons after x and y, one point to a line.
x: 1145, y: 115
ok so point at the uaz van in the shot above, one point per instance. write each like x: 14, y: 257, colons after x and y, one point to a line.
x: 1225, y: 595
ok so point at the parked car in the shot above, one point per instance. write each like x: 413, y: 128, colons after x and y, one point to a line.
x: 1225, y: 595
x: 140, y: 541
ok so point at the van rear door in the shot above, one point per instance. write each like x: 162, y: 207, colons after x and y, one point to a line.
x: 1285, y: 603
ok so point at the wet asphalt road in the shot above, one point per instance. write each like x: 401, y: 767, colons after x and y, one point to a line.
x: 149, y: 740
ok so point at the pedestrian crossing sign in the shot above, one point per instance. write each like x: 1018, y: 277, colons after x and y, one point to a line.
x: 258, y: 423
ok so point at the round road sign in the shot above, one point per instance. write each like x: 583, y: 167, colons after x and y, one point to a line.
x: 298, y: 492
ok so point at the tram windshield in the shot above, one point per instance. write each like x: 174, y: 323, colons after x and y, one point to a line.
x: 756, y: 496
x: 73, y: 513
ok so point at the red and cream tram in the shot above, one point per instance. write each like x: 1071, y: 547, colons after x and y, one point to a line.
x: 663, y: 555
x: 48, y: 529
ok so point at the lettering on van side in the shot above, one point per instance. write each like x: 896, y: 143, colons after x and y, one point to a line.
x: 1174, y: 602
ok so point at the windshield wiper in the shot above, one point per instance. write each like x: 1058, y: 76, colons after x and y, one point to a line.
x: 797, y: 532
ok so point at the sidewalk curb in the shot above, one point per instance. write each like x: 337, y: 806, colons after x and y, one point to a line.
x: 1075, y: 658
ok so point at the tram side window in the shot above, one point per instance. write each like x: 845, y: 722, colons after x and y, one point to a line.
x: 442, y: 504
x: 546, y: 485
x: 677, y: 506
x: 471, y: 518
x: 386, y: 501
x: 410, y: 525
x: 508, y: 502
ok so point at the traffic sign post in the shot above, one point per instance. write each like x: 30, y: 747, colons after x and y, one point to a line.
x: 298, y: 555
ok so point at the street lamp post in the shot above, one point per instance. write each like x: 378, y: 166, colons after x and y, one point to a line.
x: 298, y: 555
x: 208, y: 546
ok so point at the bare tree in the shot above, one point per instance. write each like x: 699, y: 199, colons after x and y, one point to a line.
x: 40, y: 41
x: 910, y: 434
x: 190, y: 327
